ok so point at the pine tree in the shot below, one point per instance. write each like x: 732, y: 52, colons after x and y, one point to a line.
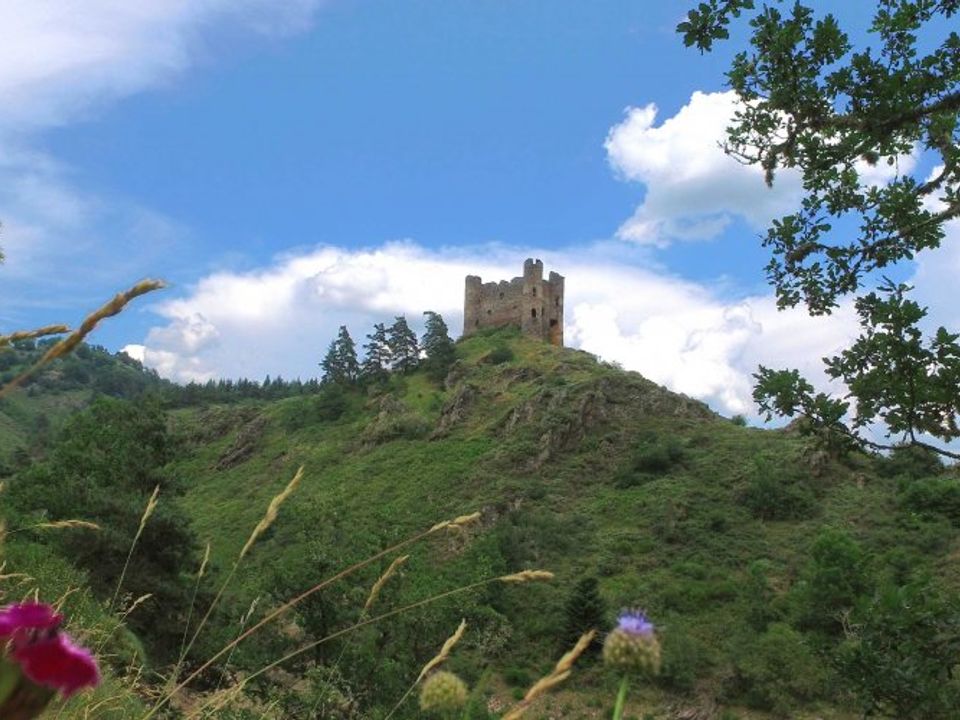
x: 438, y: 347
x: 404, y: 349
x: 585, y: 611
x: 340, y: 364
x: 377, y: 360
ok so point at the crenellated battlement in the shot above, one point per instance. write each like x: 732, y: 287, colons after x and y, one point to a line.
x: 529, y: 302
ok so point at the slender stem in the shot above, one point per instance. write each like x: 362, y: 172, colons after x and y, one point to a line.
x: 621, y: 699
x: 279, y: 611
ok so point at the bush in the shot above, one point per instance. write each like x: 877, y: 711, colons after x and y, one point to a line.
x: 685, y: 659
x: 939, y: 495
x: 499, y: 355
x: 910, y: 461
x: 773, y: 494
x: 739, y: 420
x: 834, y: 581
x: 779, y: 671
x: 651, y: 457
x: 900, y: 661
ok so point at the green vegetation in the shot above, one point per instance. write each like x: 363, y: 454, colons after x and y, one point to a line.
x: 768, y: 563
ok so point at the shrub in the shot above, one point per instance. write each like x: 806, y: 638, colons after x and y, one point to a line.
x: 779, y: 671
x: 900, y: 660
x: 910, y: 461
x: 940, y: 494
x: 685, y: 659
x: 650, y: 458
x: 499, y: 355
x: 774, y: 494
x: 834, y: 582
x: 739, y: 420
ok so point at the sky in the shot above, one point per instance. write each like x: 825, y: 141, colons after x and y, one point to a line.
x: 292, y: 166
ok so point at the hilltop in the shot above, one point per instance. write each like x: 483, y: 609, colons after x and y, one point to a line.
x: 753, y: 550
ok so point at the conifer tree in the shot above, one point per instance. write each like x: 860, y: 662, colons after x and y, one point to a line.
x: 404, y: 349
x: 585, y: 611
x: 377, y: 361
x: 340, y: 363
x: 438, y: 346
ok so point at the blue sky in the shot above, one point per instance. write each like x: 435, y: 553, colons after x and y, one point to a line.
x: 292, y: 166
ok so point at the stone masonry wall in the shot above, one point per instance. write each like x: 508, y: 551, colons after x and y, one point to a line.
x: 529, y: 302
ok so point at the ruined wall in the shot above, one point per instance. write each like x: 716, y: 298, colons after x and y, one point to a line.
x: 529, y: 302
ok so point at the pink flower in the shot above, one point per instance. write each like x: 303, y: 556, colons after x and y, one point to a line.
x: 46, y: 656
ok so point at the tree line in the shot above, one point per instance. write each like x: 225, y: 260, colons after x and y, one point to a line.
x: 393, y: 349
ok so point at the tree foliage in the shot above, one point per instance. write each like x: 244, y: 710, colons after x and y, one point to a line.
x: 437, y: 346
x: 103, y: 469
x: 340, y: 364
x: 376, y: 362
x: 404, y: 348
x: 814, y: 103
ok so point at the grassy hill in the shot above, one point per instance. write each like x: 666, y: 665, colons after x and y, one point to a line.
x: 576, y: 467
x: 759, y: 556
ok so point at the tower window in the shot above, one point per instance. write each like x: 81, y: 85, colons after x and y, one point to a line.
x: 553, y: 323
x: 533, y: 312
x: 534, y: 292
x: 501, y: 296
x: 556, y: 302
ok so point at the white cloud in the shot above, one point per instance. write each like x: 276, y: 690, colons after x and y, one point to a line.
x: 280, y: 319
x: 693, y: 190
x: 61, y: 62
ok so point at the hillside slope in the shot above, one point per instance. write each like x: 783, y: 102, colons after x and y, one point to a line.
x: 732, y: 538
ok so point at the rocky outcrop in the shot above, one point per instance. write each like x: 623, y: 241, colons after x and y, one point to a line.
x: 564, y: 414
x: 244, y: 444
x: 455, y: 410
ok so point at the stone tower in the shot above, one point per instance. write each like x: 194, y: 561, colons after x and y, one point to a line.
x: 531, y: 303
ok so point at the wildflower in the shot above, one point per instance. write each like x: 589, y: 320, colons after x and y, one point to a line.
x: 633, y: 644
x: 37, y: 660
x: 443, y: 693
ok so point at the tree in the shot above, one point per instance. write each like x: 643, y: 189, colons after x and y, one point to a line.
x: 340, y: 363
x: 437, y: 346
x: 404, y: 349
x: 103, y: 469
x: 812, y: 102
x: 585, y: 611
x: 377, y: 360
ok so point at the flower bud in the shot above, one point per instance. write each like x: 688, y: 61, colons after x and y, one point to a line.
x: 443, y: 692
x: 633, y: 646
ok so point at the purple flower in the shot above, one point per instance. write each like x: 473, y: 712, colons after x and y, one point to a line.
x: 34, y: 646
x: 634, y: 622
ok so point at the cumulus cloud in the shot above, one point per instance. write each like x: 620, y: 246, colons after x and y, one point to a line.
x: 280, y: 319
x: 693, y: 190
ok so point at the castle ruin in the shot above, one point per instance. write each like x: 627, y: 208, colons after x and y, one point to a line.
x: 531, y: 303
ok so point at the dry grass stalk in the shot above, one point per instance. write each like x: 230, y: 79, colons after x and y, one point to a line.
x: 67, y: 344
x: 203, y: 563
x: 67, y: 525
x: 444, y: 651
x: 559, y: 673
x: 147, y: 512
x: 6, y: 340
x: 527, y: 576
x: 378, y: 585
x: 293, y: 602
x: 459, y: 522
x: 271, y: 513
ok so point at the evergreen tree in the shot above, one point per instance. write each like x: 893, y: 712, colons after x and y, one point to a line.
x: 585, y: 611
x: 377, y: 360
x: 404, y: 349
x: 438, y: 346
x: 340, y: 363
